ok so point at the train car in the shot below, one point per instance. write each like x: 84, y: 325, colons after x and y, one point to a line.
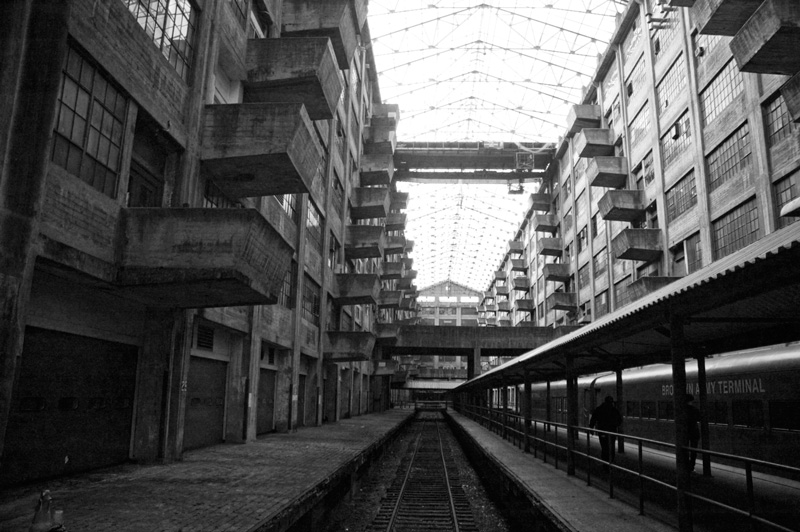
x: 753, y: 401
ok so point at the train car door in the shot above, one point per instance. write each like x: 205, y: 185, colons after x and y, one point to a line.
x: 72, y: 406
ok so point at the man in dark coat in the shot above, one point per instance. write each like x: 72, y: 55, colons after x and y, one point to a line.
x: 607, y: 418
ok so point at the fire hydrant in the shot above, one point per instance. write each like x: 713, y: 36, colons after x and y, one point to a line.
x: 46, y: 518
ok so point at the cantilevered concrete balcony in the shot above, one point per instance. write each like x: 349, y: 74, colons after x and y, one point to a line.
x: 407, y: 282
x: 562, y: 301
x: 399, y: 201
x: 519, y: 265
x: 491, y: 321
x: 481, y: 320
x: 294, y: 71
x: 364, y: 242
x: 385, y: 115
x: 791, y: 94
x: 369, y: 203
x: 500, y: 275
x: 503, y: 322
x: 767, y: 42
x: 395, y: 245
x: 260, y: 149
x: 491, y: 307
x: 488, y: 295
x: 379, y: 140
x: 396, y: 221
x: 552, y: 247
x: 409, y: 246
x: 646, y: 285
x: 501, y: 290
x: 526, y: 305
x: 357, y: 288
x: 581, y: 116
x: 637, y: 244
x: 392, y: 270
x: 556, y: 273
x: 504, y: 306
x: 622, y: 205
x: 723, y: 17
x: 390, y: 298
x: 347, y: 346
x: 592, y: 142
x: 521, y: 284
x: 515, y: 247
x: 539, y: 202
x: 408, y: 262
x: 194, y: 258
x: 387, y: 332
x: 545, y: 223
x: 606, y: 171
x: 377, y: 169
x: 339, y: 20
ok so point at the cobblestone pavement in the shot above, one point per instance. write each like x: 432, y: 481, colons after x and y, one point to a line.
x: 220, y: 488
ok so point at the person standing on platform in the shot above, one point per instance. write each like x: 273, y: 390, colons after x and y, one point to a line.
x: 693, y: 420
x: 607, y: 418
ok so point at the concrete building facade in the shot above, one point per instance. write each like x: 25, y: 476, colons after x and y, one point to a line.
x: 198, y: 228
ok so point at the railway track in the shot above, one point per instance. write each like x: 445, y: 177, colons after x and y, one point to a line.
x: 426, y: 494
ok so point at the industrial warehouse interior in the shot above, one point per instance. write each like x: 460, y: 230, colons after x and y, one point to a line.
x: 361, y: 265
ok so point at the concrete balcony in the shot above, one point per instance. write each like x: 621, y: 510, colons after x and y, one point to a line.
x: 522, y: 284
x: 607, y: 171
x: 501, y: 290
x: 515, y: 247
x: 294, y: 71
x: 481, y: 320
x: 791, y: 94
x: 364, y: 242
x: 504, y: 306
x: 369, y: 203
x: 407, y: 282
x: 195, y: 258
x: 379, y: 140
x: 395, y: 245
x: 767, y: 42
x: 491, y: 321
x: 399, y: 201
x: 385, y: 367
x: 347, y: 346
x: 582, y: 116
x: 562, y: 301
x: 339, y: 20
x: 556, y: 273
x: 637, y: 244
x: 500, y: 275
x: 491, y: 307
x: 525, y: 305
x: 545, y: 223
x: 723, y: 17
x: 592, y: 142
x: 357, y: 288
x: 386, y: 332
x: 260, y: 149
x: 408, y: 262
x: 385, y: 115
x: 551, y: 247
x: 519, y: 265
x: 503, y: 322
x: 488, y: 294
x: 539, y: 202
x: 622, y: 205
x: 396, y: 221
x: 390, y: 299
x: 409, y: 246
x: 392, y: 270
x: 377, y: 169
x: 647, y: 285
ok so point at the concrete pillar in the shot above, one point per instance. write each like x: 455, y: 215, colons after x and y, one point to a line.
x: 33, y: 34
x: 527, y: 409
x: 704, y: 432
x: 620, y: 407
x: 504, y: 395
x: 680, y: 352
x: 297, y: 329
x: 572, y: 413
x: 474, y: 363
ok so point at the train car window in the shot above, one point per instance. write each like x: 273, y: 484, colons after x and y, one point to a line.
x: 649, y: 409
x: 784, y: 415
x: 718, y: 412
x: 666, y: 410
x: 748, y: 413
x: 632, y: 408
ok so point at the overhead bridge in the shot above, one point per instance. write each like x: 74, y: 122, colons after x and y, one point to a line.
x: 474, y: 162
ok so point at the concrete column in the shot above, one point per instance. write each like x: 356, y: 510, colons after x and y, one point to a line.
x: 680, y: 352
x: 527, y: 409
x: 297, y: 333
x: 474, y: 363
x: 620, y: 406
x: 704, y: 432
x: 179, y: 378
x: 548, y: 405
x: 33, y: 34
x: 572, y: 413
x: 504, y: 395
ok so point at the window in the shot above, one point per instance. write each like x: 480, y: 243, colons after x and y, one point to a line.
x: 601, y: 304
x: 644, y: 173
x: 777, y: 120
x: 681, y: 197
x: 583, y: 276
x: 720, y: 92
x: 783, y: 415
x: 580, y: 206
x: 632, y: 40
x: 632, y: 409
x: 673, y: 84
x: 214, y: 198
x: 333, y: 252
x: 91, y: 120
x: 735, y: 230
x: 636, y: 80
x: 718, y: 412
x: 583, y: 239
x: 786, y: 190
x: 171, y: 24
x: 622, y: 292
x: 286, y: 297
x: 314, y: 226
x: 677, y: 140
x: 268, y: 352
x: 649, y: 410
x: 600, y: 264
x: 611, y: 82
x: 640, y: 126
x: 666, y: 410
x: 288, y: 203
x: 694, y: 254
x: 729, y: 158
x: 337, y: 198
x: 311, y: 301
x: 703, y: 44
x: 748, y: 413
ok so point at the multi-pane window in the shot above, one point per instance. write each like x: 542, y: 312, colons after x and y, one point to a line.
x: 786, y: 190
x: 314, y: 226
x: 729, y: 158
x: 91, y: 120
x: 777, y: 120
x: 640, y: 125
x: 611, y: 83
x: 622, y: 292
x: 694, y: 254
x: 665, y: 30
x: 681, y: 197
x: 703, y: 44
x: 636, y: 80
x: 583, y: 276
x: 580, y: 206
x: 568, y: 221
x: 171, y: 24
x: 214, y: 198
x: 286, y: 297
x: 288, y: 203
x: 735, y: 230
x: 720, y: 92
x: 632, y: 40
x: 673, y: 84
x: 337, y: 198
x: 601, y: 304
x: 600, y: 264
x: 677, y: 140
x: 583, y: 239
x: 333, y: 251
x: 311, y: 301
x: 644, y: 173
